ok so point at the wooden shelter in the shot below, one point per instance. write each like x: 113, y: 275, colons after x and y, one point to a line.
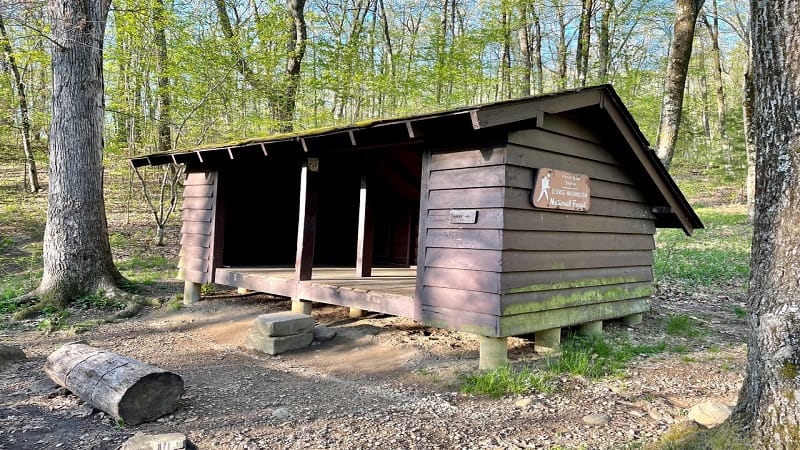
x: 504, y: 219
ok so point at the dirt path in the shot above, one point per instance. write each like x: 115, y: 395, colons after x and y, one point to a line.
x: 382, y: 382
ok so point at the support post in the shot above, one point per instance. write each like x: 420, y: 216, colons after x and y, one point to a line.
x: 633, y: 319
x: 547, y: 341
x: 366, y: 228
x: 591, y: 328
x: 306, y: 229
x: 307, y: 223
x: 493, y: 352
x: 191, y: 292
x: 301, y: 307
x: 356, y: 313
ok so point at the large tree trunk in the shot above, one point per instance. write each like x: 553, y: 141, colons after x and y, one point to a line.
x: 749, y: 145
x: 561, y: 45
x: 584, y: 37
x: 713, y: 32
x: 164, y: 98
x: 76, y: 253
x: 686, y: 12
x: 297, y: 50
x: 768, y: 410
x: 31, y: 174
x: 604, y: 41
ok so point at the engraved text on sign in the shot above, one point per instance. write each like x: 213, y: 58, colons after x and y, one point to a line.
x: 559, y: 189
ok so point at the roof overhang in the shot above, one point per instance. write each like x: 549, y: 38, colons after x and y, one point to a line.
x: 675, y: 212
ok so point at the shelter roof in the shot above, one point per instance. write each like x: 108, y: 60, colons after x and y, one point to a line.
x: 599, y: 106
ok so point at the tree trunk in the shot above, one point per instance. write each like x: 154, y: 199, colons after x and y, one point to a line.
x: 76, y: 253
x: 584, y: 37
x: 768, y: 411
x: 297, y: 50
x: 31, y: 174
x: 122, y: 387
x: 713, y: 32
x: 604, y: 43
x: 749, y: 145
x: 164, y: 100
x: 537, y: 52
x: 561, y: 46
x: 686, y: 12
x: 524, y: 35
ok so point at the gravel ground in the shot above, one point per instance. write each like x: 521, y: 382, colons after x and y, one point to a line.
x: 382, y: 382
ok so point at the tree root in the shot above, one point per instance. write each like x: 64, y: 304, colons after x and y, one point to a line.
x: 57, y: 301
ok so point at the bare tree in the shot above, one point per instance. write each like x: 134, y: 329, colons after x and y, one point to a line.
x: 31, y: 175
x: 680, y: 51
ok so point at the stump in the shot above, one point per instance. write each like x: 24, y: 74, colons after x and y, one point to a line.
x: 122, y: 387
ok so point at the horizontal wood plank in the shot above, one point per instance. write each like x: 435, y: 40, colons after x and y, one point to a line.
x: 485, y: 218
x: 468, y: 178
x: 558, y: 143
x: 256, y: 282
x: 471, y: 280
x: 450, y: 258
x: 536, y: 240
x: 525, y: 157
x: 519, y: 261
x: 197, y: 240
x: 526, y: 302
x: 193, y: 251
x: 200, y: 190
x: 198, y: 203
x: 195, y: 276
x: 459, y: 299
x: 530, y: 220
x: 562, y: 124
x: 197, y: 215
x: 200, y: 178
x: 520, y: 324
x: 480, y: 197
x: 195, y: 264
x: 196, y: 227
x: 467, y: 321
x: 517, y: 282
x: 468, y: 158
x: 377, y: 301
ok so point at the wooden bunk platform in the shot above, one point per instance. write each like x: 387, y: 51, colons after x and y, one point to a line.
x: 387, y: 290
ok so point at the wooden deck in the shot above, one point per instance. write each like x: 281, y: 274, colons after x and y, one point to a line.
x: 388, y: 290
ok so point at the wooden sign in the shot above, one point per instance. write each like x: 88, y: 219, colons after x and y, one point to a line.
x: 463, y: 215
x: 559, y: 189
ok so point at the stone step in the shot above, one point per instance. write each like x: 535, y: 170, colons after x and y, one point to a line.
x: 285, y: 323
x: 274, y: 345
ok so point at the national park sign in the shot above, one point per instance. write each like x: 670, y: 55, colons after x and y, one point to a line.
x: 559, y: 189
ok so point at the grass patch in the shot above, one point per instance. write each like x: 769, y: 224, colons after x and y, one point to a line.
x: 720, y: 253
x: 506, y: 380
x: 594, y: 357
x: 683, y: 325
x: 146, y: 270
x: 739, y: 312
x: 99, y: 300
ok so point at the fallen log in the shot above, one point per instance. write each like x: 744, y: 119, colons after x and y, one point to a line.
x: 122, y: 387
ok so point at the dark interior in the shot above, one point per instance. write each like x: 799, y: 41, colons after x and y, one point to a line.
x: 261, y: 209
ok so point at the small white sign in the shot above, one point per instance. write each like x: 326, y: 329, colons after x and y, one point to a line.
x: 313, y: 164
x: 463, y: 215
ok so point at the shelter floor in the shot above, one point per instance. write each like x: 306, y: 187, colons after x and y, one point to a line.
x: 389, y: 290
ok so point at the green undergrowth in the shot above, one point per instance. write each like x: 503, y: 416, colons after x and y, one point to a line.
x: 590, y: 357
x: 717, y: 254
x: 684, y: 326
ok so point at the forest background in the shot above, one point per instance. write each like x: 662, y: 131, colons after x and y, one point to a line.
x: 185, y: 73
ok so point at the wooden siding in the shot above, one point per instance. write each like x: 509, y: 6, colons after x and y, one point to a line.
x: 517, y: 264
x: 197, y: 229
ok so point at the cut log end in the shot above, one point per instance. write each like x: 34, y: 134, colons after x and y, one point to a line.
x: 153, y: 396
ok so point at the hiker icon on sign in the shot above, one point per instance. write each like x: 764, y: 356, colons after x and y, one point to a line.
x: 545, y: 187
